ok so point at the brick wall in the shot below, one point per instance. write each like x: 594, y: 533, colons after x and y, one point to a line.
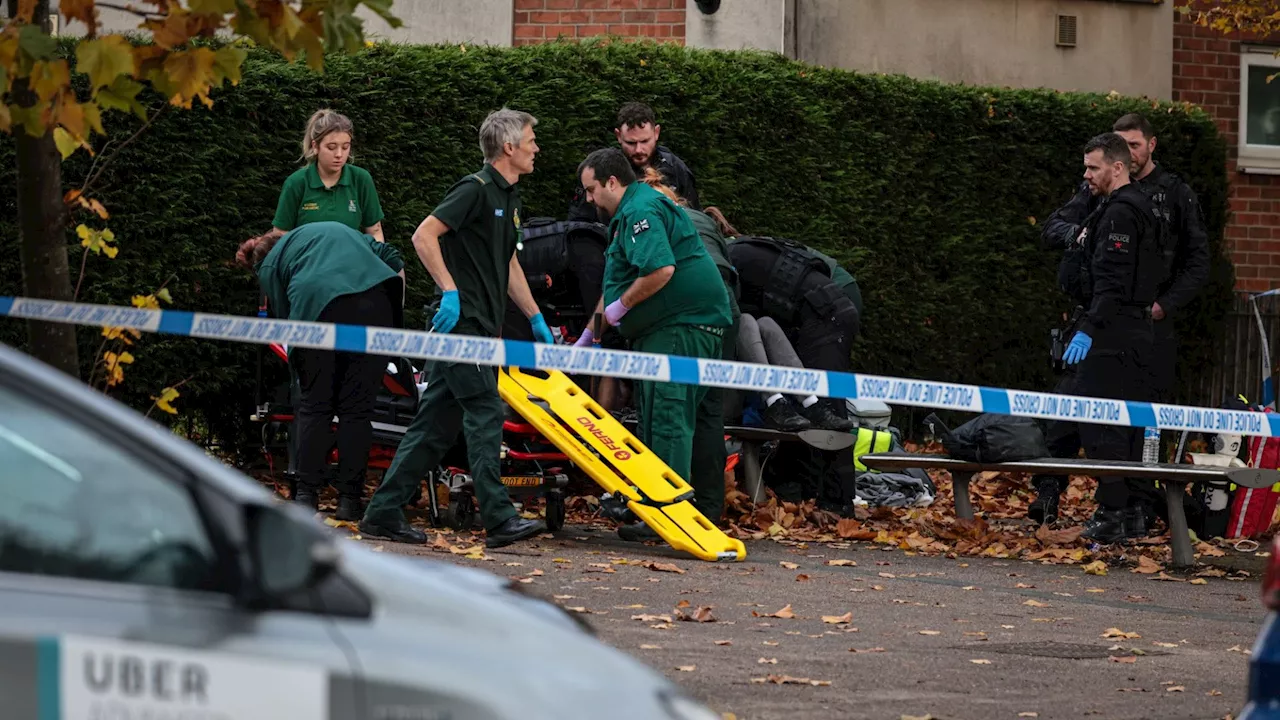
x: 1206, y: 72
x: 539, y: 21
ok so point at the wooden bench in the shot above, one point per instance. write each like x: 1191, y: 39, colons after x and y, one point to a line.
x: 752, y: 438
x: 1174, y: 479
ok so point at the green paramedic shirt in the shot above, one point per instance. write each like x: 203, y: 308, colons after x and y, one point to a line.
x: 352, y: 201
x: 482, y: 211
x: 650, y: 232
x: 300, y: 280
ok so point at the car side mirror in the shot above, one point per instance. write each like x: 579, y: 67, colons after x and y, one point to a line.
x: 288, y: 554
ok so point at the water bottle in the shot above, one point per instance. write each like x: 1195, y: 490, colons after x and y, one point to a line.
x: 1151, y: 446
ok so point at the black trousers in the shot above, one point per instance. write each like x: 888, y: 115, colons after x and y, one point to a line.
x: 343, y: 384
x: 1120, y: 365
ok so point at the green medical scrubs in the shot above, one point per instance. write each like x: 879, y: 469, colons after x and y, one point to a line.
x: 709, y: 452
x: 482, y: 211
x: 352, y: 200
x: 688, y: 316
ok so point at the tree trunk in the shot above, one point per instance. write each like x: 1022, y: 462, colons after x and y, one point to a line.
x: 42, y: 220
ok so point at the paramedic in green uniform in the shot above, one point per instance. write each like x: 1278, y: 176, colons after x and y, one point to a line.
x: 468, y: 244
x: 327, y: 272
x: 665, y: 295
x: 329, y: 188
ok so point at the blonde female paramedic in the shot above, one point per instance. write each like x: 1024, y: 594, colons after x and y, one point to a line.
x: 329, y: 187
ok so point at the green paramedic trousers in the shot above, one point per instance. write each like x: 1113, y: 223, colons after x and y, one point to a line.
x: 458, y: 396
x: 684, y: 424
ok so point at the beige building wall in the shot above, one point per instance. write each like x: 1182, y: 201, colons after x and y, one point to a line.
x: 1122, y: 45
x: 473, y: 22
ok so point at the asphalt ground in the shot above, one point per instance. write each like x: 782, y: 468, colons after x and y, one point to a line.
x: 900, y: 635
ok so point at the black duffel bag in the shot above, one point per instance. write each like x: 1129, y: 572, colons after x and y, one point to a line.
x: 991, y: 438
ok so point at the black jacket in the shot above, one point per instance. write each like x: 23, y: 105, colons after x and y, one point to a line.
x: 1189, y: 265
x: 674, y: 172
x: 1125, y: 263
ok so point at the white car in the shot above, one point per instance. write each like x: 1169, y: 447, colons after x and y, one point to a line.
x: 141, y: 578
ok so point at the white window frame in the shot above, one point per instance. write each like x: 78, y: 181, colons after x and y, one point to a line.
x: 1255, y: 159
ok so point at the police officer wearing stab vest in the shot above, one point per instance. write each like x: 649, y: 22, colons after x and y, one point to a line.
x: 468, y: 244
x: 1114, y: 268
x: 1187, y: 257
x: 787, y: 281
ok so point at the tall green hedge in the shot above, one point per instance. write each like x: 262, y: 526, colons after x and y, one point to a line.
x: 931, y: 194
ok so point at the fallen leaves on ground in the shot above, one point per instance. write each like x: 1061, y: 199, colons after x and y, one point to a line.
x: 686, y: 668
x: 788, y: 680
x: 1198, y: 581
x: 724, y: 642
x: 702, y: 615
x: 788, y: 565
x: 1035, y: 603
x: 868, y: 650
x: 652, y: 618
x: 1118, y: 633
x: 838, y: 619
x: 842, y: 563
x: 1176, y: 688
x: 1097, y: 567
x: 1124, y: 659
x: 662, y: 567
x: 1167, y: 578
x: 1147, y: 566
x: 980, y: 662
x: 1205, y: 548
x: 767, y: 661
x: 930, y: 632
x: 784, y: 614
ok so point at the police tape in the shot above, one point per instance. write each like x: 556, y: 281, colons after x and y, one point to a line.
x: 417, y: 344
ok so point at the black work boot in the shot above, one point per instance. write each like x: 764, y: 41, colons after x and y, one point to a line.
x: 1044, y: 509
x: 350, y: 508
x: 309, y: 499
x: 821, y: 415
x: 782, y: 416
x: 1135, y: 521
x: 396, y: 529
x: 514, y: 529
x: 1107, y: 526
x: 638, y: 532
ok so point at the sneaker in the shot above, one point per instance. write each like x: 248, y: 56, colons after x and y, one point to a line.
x: 1044, y: 509
x: 1107, y: 526
x: 782, y: 416
x: 821, y: 416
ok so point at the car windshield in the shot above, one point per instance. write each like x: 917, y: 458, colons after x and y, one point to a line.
x: 74, y: 504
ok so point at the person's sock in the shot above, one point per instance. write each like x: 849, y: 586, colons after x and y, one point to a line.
x: 769, y: 401
x: 809, y: 401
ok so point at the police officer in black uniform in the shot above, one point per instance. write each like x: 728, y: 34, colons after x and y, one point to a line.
x: 1187, y: 257
x: 790, y: 283
x: 1114, y: 267
x: 1187, y: 263
x: 637, y: 132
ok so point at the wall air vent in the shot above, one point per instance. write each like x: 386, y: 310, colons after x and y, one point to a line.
x: 1066, y: 31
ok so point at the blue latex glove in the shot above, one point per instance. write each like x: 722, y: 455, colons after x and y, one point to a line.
x: 1079, y: 347
x: 541, y: 332
x: 447, y: 316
